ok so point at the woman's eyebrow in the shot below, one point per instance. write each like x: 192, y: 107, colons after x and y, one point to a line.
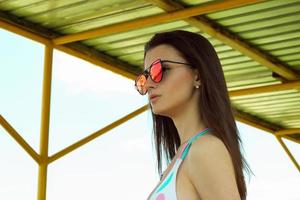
x: 168, y: 64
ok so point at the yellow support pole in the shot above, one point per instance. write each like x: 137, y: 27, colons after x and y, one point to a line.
x: 288, y: 152
x: 13, y: 133
x: 97, y: 134
x: 45, y: 118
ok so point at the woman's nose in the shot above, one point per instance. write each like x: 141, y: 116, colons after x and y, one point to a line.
x: 150, y: 83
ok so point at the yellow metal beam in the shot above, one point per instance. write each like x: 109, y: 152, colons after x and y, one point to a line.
x: 96, y: 134
x: 90, y: 58
x: 290, y: 138
x: 18, y: 138
x: 45, y: 120
x: 269, y: 128
x: 247, y: 50
x: 264, y: 89
x: 113, y: 68
x: 21, y: 31
x: 253, y: 123
x: 288, y: 152
x: 288, y: 132
x: 223, y: 35
x: 148, y: 21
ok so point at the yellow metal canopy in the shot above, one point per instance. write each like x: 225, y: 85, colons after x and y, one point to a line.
x: 258, y: 43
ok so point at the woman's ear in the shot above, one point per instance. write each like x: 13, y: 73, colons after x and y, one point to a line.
x: 197, y: 80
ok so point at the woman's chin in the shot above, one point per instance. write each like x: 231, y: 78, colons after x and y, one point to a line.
x: 160, y: 112
x: 156, y: 111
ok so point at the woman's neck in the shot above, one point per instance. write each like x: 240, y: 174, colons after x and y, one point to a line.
x: 188, y: 123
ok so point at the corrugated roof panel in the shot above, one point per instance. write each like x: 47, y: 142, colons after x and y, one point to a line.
x: 274, y: 30
x: 124, y: 50
x: 264, y: 96
x: 250, y: 83
x: 132, y: 57
x: 288, y: 43
x: 264, y: 105
x: 120, y: 44
x: 76, y: 16
x: 110, y: 19
x: 281, y: 108
x: 240, y: 65
x: 234, y: 59
x: 270, y: 26
x: 221, y: 47
x: 13, y: 4
x: 276, y: 38
x: 252, y: 8
x: 250, y: 72
x: 146, y: 31
x: 286, y: 51
x: 295, y: 63
x: 264, y: 23
x: 89, y: 11
x: 36, y: 8
x: 229, y: 54
x: 261, y: 16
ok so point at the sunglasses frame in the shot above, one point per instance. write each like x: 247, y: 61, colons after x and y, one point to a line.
x: 146, y: 72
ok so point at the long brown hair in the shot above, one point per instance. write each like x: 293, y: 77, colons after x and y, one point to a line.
x: 215, y: 106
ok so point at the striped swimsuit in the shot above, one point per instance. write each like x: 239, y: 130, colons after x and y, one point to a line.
x: 166, y: 190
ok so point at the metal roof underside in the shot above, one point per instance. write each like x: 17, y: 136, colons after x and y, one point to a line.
x: 258, y: 43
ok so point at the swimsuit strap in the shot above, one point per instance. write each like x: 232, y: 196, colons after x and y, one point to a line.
x: 189, y: 143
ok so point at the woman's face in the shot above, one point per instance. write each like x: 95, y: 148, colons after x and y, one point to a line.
x: 177, y: 88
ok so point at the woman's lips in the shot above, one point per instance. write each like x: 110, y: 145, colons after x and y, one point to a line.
x: 154, y: 99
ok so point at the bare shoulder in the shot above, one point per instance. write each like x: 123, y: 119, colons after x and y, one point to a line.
x: 210, y: 169
x: 208, y: 149
x: 207, y: 144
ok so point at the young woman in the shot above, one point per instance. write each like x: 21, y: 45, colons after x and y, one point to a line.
x: 193, y: 123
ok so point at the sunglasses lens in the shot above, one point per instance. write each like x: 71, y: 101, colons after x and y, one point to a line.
x: 156, y: 71
x: 140, y: 83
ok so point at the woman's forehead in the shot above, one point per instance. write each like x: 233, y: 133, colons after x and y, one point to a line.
x: 163, y: 52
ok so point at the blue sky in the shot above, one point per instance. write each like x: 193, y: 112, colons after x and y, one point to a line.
x: 117, y: 165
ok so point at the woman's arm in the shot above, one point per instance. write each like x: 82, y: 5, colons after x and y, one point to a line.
x: 211, y: 170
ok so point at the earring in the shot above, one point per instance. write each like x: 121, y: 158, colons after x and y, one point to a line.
x: 197, y: 86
